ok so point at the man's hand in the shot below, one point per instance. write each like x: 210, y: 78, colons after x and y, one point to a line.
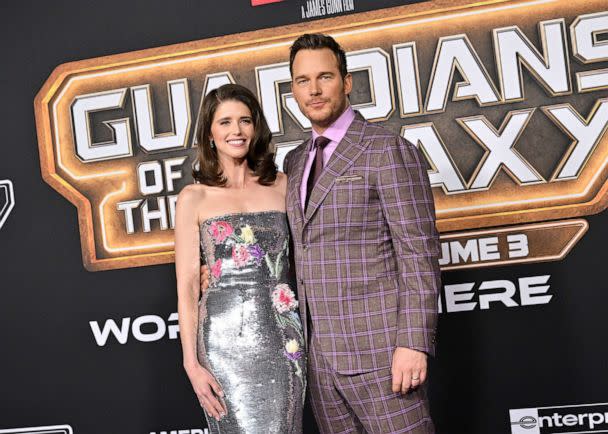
x: 408, y: 369
x: 204, y: 278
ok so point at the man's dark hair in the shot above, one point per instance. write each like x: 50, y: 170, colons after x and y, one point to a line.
x: 317, y: 41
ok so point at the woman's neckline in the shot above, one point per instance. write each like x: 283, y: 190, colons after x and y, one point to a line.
x: 241, y: 213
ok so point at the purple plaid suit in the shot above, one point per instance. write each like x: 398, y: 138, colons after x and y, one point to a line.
x: 366, y: 261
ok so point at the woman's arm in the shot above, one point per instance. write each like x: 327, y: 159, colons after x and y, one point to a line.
x: 187, y: 263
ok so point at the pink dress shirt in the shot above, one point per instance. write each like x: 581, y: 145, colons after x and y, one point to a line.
x: 335, y: 133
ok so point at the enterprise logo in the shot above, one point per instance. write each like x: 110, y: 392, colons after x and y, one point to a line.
x: 587, y: 418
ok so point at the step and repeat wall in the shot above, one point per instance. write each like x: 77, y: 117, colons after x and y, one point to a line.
x: 507, y: 99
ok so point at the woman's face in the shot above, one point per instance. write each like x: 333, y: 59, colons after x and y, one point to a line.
x: 232, y: 129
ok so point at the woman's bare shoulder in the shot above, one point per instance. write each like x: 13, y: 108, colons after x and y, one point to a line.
x: 191, y: 196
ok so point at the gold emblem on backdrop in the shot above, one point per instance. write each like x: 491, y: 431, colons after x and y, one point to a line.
x: 507, y: 99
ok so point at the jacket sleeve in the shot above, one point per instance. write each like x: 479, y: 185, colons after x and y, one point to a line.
x: 408, y: 207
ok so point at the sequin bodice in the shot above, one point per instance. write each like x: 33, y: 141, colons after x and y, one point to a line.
x: 246, y: 248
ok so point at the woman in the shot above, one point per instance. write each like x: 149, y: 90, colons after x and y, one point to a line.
x: 241, y: 339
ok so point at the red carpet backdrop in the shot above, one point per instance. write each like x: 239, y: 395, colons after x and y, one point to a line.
x: 507, y: 99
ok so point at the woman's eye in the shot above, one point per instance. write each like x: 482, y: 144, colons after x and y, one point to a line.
x: 246, y: 121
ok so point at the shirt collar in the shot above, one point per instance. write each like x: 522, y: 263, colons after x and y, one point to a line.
x: 336, y: 131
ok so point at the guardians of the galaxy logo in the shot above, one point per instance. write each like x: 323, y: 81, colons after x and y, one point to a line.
x: 507, y: 100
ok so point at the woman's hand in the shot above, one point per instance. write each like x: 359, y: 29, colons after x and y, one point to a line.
x: 208, y: 391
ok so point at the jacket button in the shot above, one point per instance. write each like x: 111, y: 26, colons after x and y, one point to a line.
x: 305, y: 247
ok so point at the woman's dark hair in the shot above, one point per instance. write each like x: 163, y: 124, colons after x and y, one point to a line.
x: 260, y: 157
x: 317, y: 41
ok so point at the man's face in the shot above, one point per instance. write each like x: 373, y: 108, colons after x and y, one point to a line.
x: 318, y: 87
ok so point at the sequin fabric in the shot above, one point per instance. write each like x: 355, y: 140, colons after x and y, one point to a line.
x: 249, y: 334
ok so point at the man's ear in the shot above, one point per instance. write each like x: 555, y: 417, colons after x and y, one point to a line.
x: 348, y: 83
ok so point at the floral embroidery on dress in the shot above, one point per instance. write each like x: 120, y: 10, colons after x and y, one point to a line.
x: 240, y: 255
x: 256, y: 253
x: 285, y: 303
x: 275, y: 268
x: 292, y: 350
x: 245, y: 249
x: 220, y: 230
x: 283, y: 298
x: 247, y: 235
x: 216, y: 269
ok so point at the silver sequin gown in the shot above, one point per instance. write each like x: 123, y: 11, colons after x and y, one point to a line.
x: 249, y: 333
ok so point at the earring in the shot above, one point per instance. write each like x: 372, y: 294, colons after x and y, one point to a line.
x: 212, y: 144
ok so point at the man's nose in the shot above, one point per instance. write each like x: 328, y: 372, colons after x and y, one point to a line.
x: 314, y: 89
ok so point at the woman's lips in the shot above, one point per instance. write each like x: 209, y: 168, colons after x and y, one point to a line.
x: 236, y: 142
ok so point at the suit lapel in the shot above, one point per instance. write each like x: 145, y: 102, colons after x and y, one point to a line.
x: 347, y: 151
x: 294, y: 182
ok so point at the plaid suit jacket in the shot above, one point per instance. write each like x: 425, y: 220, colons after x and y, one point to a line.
x: 366, y: 250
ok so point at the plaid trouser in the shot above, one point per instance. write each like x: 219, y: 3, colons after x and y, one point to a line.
x: 363, y: 403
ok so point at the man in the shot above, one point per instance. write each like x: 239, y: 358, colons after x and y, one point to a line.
x: 361, y: 214
x: 366, y: 249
